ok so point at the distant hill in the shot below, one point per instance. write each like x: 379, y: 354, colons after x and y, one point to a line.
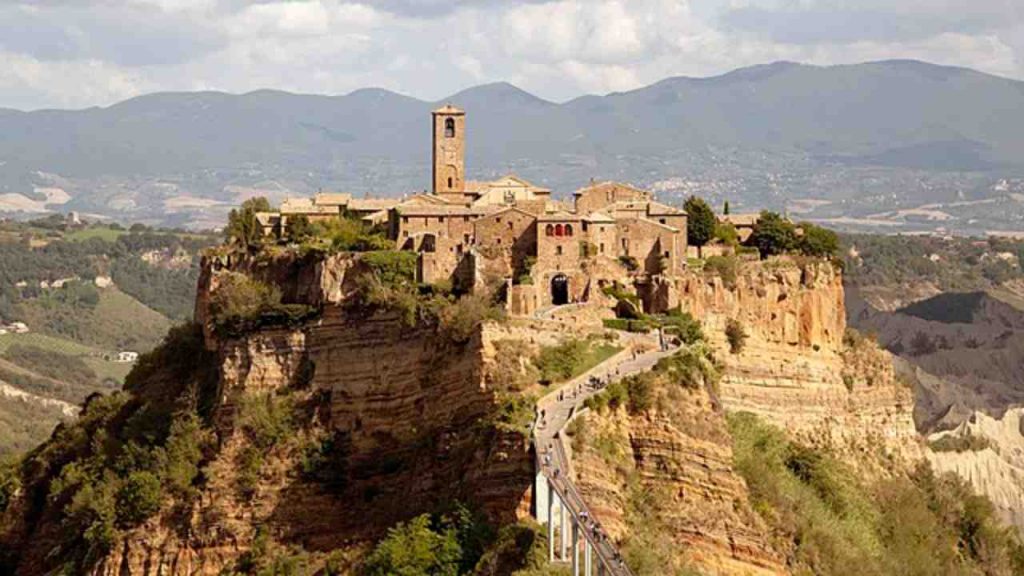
x: 866, y: 137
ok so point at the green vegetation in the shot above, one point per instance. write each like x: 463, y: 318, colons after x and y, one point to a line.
x: 725, y: 267
x: 266, y: 419
x: 241, y: 304
x: 448, y: 544
x: 572, y: 358
x: 951, y: 264
x: 736, y: 335
x: 960, y: 443
x: 51, y: 364
x: 126, y: 454
x: 700, y: 222
x: 726, y: 234
x: 817, y: 241
x: 344, y: 234
x: 921, y: 525
x: 242, y: 229
x: 773, y: 235
x: 689, y: 369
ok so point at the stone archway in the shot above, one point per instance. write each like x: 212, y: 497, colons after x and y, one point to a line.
x: 559, y: 289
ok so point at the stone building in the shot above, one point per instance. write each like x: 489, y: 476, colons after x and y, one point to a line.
x: 510, y: 231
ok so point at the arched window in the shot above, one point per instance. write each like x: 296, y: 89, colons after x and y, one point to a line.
x: 449, y: 128
x: 549, y: 230
x: 559, y: 231
x: 568, y: 229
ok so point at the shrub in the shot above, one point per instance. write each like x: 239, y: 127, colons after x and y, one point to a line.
x: 736, y: 335
x: 299, y: 229
x: 239, y: 299
x: 726, y: 234
x: 138, y: 498
x: 640, y: 326
x: 325, y: 461
x: 629, y: 263
x: 684, y: 325
x: 447, y: 544
x: 817, y: 241
x: 725, y: 267
x: 395, y: 269
x: 640, y: 392
x: 690, y: 368
x: 960, y: 443
x: 460, y: 320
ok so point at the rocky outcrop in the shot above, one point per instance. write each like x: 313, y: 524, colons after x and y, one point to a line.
x: 994, y: 466
x: 795, y: 368
x: 411, y: 407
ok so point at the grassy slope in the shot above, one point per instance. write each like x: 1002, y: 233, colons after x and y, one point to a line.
x: 118, y: 322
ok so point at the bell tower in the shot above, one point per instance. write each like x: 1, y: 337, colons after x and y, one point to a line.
x: 449, y: 151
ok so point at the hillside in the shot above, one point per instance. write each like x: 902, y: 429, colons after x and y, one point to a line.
x: 827, y: 142
x: 84, y: 294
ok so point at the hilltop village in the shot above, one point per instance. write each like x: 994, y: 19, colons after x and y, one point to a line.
x: 548, y: 252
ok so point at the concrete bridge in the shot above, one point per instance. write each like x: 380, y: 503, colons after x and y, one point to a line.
x: 581, y: 541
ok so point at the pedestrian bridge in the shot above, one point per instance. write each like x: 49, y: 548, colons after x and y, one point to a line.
x: 574, y: 535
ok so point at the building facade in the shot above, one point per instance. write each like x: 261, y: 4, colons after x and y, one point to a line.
x: 509, y: 231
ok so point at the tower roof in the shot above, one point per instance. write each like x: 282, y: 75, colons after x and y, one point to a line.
x: 449, y: 110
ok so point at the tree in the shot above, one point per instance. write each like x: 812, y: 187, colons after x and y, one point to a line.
x: 414, y: 549
x: 242, y: 228
x: 700, y: 222
x: 725, y: 208
x: 818, y: 241
x: 773, y: 234
x: 298, y: 228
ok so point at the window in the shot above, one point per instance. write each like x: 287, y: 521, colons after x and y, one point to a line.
x: 510, y: 225
x: 559, y: 231
x: 450, y: 183
x: 558, y: 250
x: 465, y: 239
x: 568, y: 229
x: 499, y: 241
x: 449, y: 129
x: 405, y: 219
x: 584, y: 226
x: 440, y: 219
x: 661, y: 220
x: 668, y: 254
x: 465, y: 218
x: 498, y: 219
x: 601, y: 248
x: 510, y: 197
x: 549, y: 230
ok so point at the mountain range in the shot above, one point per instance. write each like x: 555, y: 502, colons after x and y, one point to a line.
x: 894, y: 144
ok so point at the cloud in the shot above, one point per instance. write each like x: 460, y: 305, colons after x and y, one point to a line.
x: 94, y: 52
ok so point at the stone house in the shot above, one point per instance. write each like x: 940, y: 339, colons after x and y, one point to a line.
x: 548, y: 252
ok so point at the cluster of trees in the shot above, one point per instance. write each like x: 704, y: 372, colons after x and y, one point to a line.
x: 773, y: 234
x: 952, y: 264
x: 921, y: 524
x: 345, y: 233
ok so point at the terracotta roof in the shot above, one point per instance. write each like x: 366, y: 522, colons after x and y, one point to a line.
x: 305, y: 206
x: 372, y: 204
x: 609, y: 184
x: 508, y: 209
x: 652, y: 223
x: 599, y: 217
x: 332, y: 198
x: 740, y: 219
x: 663, y: 209
x: 444, y: 210
x: 449, y: 109
x: 559, y: 216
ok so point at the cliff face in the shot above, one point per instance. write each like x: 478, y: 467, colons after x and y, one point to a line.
x: 670, y: 484
x: 797, y: 368
x: 409, y: 406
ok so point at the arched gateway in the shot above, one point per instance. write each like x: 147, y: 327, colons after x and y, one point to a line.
x: 559, y: 290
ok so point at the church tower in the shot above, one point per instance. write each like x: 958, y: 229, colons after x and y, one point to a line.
x: 449, y: 151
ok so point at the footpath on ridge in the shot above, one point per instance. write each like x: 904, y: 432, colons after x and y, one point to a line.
x: 556, y: 410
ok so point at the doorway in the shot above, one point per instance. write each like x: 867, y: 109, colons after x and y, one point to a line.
x: 559, y: 290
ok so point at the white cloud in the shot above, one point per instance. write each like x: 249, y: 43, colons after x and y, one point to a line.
x: 79, y: 53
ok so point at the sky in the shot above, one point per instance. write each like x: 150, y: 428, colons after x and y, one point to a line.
x: 78, y: 53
